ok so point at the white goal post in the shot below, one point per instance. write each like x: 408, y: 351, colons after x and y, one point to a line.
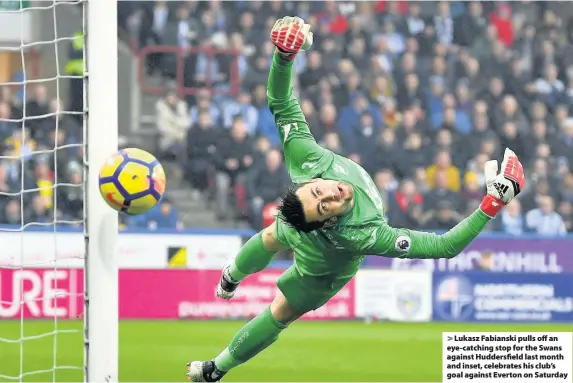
x: 35, y: 274
x: 101, y: 223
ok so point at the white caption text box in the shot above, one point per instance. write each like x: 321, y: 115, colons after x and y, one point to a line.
x: 473, y: 357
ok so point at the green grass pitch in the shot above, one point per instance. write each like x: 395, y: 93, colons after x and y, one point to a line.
x: 156, y: 351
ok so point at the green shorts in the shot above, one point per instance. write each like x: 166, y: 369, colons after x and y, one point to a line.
x: 307, y: 293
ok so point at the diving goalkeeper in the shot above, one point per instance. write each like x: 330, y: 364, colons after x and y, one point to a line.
x: 331, y: 220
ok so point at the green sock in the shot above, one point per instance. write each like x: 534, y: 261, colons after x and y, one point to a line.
x: 252, y: 258
x: 254, y: 337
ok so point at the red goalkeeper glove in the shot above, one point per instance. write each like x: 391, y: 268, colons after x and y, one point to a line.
x: 291, y: 35
x: 502, y: 187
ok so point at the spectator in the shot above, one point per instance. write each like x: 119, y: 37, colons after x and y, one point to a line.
x: 549, y: 88
x: 502, y: 22
x: 405, y: 206
x: 410, y: 93
x: 202, y: 142
x: 204, y: 103
x: 482, y: 46
x: 509, y: 111
x: 314, y: 70
x: 391, y: 116
x: 152, y: 30
x: 470, y: 25
x: 564, y: 146
x: 266, y: 126
x: 7, y: 127
x: 511, y: 138
x: 70, y: 197
x: 332, y: 19
x: 490, y: 146
x: 20, y: 144
x: 172, y: 123
x: 356, y: 30
x: 414, y: 22
x: 265, y: 183
x: 566, y: 188
x: 383, y: 56
x: 385, y: 153
x: 412, y: 157
x: 13, y: 101
x: 544, y: 58
x: 332, y: 142
x: 511, y: 220
x: 241, y: 107
x: 455, y: 120
x: 471, y: 194
x: 443, y: 162
x: 386, y: 184
x: 68, y: 129
x: 410, y: 124
x: 475, y: 168
x: 251, y: 32
x: 464, y: 99
x: 480, y: 131
x: 442, y: 216
x: 234, y: 158
x: 444, y: 141
x: 359, y: 137
x: 352, y: 113
x: 7, y: 186
x: 544, y: 220
x: 257, y: 74
x: 444, y: 24
x: 434, y: 100
x: 494, y: 94
x: 391, y: 11
x: 326, y: 92
x: 311, y: 117
x: 441, y: 192
x: 383, y: 90
x: 12, y: 214
x: 351, y: 88
x: 357, y: 53
x: 330, y: 54
x: 162, y: 216
x: 394, y: 39
x: 565, y: 210
x: 40, y: 213
x: 45, y: 183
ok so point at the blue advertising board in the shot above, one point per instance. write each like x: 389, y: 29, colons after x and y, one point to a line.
x: 479, y: 296
x: 525, y: 254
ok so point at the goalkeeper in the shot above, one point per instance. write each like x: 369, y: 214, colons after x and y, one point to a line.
x: 331, y: 220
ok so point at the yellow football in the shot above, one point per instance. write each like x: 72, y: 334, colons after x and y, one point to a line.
x: 132, y: 181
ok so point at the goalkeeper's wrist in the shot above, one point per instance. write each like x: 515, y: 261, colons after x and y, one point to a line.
x: 491, y: 205
x: 286, y: 56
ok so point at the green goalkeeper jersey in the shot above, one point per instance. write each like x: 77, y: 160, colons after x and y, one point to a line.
x: 340, y: 248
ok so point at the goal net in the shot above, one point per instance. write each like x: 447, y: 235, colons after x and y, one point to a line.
x: 58, y: 124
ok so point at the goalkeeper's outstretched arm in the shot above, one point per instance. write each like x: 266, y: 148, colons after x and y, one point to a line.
x: 501, y: 189
x: 283, y: 104
x: 420, y: 245
x: 304, y: 158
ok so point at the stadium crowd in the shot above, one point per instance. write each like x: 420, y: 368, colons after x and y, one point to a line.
x: 47, y: 182
x: 421, y: 94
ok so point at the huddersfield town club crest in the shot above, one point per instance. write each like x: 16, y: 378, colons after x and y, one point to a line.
x: 408, y: 302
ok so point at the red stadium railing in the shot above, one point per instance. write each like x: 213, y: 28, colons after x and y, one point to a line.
x: 181, y: 54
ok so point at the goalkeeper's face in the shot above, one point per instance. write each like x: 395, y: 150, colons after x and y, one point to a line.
x: 324, y: 199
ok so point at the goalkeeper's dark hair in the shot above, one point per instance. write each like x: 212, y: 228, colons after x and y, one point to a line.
x: 292, y: 212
